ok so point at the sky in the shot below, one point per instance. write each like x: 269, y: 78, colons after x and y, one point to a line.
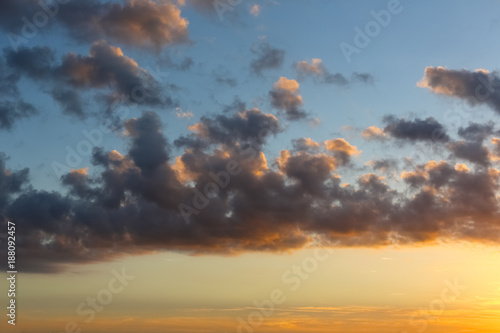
x: 251, y: 166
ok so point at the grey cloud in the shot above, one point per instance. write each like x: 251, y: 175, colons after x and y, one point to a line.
x: 427, y: 129
x: 267, y: 57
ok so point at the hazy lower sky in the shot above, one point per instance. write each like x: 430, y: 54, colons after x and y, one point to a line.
x: 251, y: 166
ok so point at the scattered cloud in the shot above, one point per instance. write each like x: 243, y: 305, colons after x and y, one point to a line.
x: 475, y: 87
x: 427, y: 129
x: 267, y: 58
x: 285, y: 96
x: 318, y: 71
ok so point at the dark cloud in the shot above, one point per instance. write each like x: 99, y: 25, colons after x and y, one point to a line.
x: 12, y: 11
x: 12, y: 105
x: 472, y: 151
x: 69, y: 100
x: 477, y: 132
x: 267, y: 57
x: 249, y: 127
x: 475, y: 87
x: 138, y: 201
x: 428, y: 129
x: 11, y: 182
x: 149, y: 147
x: 36, y: 62
x: 106, y: 69
x: 11, y: 112
x: 107, y: 66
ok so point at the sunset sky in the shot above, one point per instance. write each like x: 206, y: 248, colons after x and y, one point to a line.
x: 251, y: 166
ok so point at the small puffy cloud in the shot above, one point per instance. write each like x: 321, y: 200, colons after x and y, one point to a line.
x: 285, y: 96
x: 374, y: 133
x: 341, y: 149
x: 341, y: 145
x: 286, y: 84
x: 315, y: 67
x: 267, y: 58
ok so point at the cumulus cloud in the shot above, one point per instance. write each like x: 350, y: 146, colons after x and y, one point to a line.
x: 475, y: 87
x: 135, y: 22
x: 245, y: 127
x: 285, y: 96
x: 374, y: 133
x: 341, y: 149
x: 267, y: 57
x: 137, y: 201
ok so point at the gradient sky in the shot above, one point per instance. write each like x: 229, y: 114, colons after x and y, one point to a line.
x: 377, y: 173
